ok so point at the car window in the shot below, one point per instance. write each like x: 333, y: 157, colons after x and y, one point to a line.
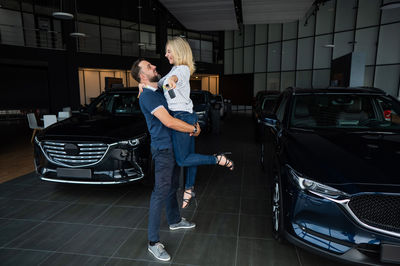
x: 280, y: 112
x: 269, y: 103
x: 198, y: 98
x: 353, y: 111
x: 122, y: 103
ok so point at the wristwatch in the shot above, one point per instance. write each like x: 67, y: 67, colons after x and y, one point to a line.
x: 195, y: 129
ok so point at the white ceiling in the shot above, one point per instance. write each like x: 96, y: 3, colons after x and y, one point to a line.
x: 216, y: 15
x: 203, y: 15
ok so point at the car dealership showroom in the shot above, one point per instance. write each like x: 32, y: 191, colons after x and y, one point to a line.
x: 188, y: 132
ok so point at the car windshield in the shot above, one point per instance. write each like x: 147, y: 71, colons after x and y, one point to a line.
x: 348, y: 111
x: 118, y: 103
x: 218, y: 98
x: 269, y: 102
x: 198, y: 98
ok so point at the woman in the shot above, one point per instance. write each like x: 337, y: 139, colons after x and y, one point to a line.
x: 180, y: 55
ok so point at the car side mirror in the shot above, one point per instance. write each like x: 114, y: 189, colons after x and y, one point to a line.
x: 270, y: 120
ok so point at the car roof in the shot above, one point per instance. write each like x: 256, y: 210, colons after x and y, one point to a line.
x: 351, y: 90
x: 123, y: 90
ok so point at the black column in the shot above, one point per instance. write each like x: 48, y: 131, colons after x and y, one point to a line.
x: 71, y: 67
x: 161, y: 39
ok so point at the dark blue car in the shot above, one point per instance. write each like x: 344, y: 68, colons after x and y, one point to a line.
x: 333, y: 159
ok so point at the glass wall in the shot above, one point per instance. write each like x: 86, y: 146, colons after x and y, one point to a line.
x: 20, y: 26
x: 300, y: 53
x: 30, y: 23
x: 92, y: 81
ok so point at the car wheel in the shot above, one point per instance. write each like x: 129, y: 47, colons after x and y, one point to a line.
x: 277, y: 209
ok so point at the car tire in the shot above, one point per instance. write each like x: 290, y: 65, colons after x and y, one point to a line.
x: 277, y: 209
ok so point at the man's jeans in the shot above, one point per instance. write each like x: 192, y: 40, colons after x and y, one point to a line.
x: 184, y: 149
x: 164, y: 192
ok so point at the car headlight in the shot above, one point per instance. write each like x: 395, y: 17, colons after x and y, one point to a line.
x: 314, y: 187
x: 132, y: 142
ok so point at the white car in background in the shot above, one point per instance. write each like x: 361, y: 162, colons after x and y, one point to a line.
x: 220, y: 100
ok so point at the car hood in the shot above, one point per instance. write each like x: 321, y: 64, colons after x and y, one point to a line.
x: 108, y: 128
x: 200, y: 107
x: 351, y: 162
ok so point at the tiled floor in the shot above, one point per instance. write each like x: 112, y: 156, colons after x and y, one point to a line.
x: 52, y: 224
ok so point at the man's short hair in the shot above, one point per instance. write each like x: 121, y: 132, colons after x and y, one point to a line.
x: 135, y: 70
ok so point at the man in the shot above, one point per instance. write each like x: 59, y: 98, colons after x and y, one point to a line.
x: 159, y: 123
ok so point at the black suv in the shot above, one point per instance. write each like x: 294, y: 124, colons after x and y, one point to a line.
x: 106, y: 143
x: 332, y: 160
x: 202, y: 104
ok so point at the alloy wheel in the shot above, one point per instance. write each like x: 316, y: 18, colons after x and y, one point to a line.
x: 276, y: 207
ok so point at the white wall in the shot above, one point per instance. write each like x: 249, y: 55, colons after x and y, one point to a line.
x: 293, y: 54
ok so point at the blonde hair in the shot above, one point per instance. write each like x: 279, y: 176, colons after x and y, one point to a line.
x: 182, y: 53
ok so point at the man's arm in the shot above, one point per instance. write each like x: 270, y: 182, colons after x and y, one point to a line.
x: 174, y: 123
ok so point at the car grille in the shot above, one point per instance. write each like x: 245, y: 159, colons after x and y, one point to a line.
x: 379, y: 211
x: 74, y: 154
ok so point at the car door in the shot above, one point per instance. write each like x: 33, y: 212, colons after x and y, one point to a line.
x: 273, y: 131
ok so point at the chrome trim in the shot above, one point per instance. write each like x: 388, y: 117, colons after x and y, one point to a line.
x: 345, y: 204
x: 76, y: 166
x: 92, y: 182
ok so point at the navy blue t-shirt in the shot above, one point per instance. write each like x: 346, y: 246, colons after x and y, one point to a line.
x: 150, y: 101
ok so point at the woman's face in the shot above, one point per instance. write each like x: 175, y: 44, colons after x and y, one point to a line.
x: 169, y: 55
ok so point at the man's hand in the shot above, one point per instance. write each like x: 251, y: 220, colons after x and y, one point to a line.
x: 198, y: 130
x: 141, y: 86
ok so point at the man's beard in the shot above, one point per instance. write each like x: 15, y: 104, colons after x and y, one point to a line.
x: 156, y: 78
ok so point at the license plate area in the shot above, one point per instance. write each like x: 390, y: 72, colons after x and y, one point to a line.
x: 390, y: 253
x: 74, y: 173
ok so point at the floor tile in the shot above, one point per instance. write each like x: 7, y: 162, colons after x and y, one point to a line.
x: 9, y: 206
x: 219, y: 204
x: 65, y: 194
x: 95, y: 240
x: 73, y: 260
x: 255, y: 206
x: 207, y: 250
x: 131, y: 262
x: 310, y: 259
x: 79, y: 213
x: 137, y: 197
x: 136, y: 245
x: 122, y: 216
x: 106, y: 197
x: 38, y: 210
x: 32, y: 192
x: 8, y: 189
x: 46, y: 236
x: 228, y: 190
x: 257, y: 226
x: 10, y: 229
x: 188, y: 214
x: 13, y: 257
x: 265, y: 252
x: 216, y: 223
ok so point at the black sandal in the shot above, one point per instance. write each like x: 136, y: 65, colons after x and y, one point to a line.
x: 188, y: 201
x: 228, y: 163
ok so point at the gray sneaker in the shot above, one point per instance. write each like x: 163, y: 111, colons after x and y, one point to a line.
x: 183, y: 224
x: 159, y: 252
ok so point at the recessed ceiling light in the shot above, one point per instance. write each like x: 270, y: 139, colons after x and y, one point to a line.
x: 77, y: 34
x: 391, y: 5
x: 63, y: 15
